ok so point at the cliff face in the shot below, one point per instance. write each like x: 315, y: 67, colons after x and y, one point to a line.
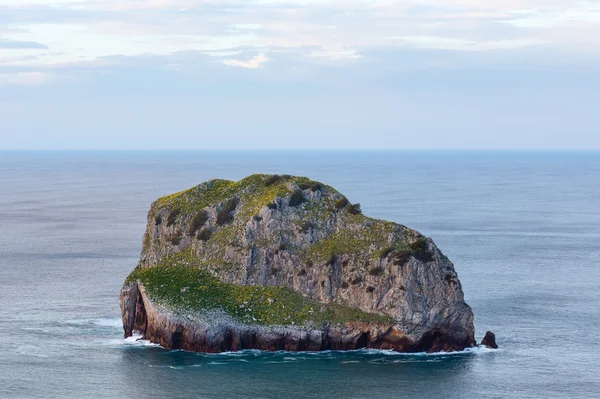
x: 282, y: 262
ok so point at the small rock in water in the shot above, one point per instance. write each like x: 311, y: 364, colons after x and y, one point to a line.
x: 489, y: 340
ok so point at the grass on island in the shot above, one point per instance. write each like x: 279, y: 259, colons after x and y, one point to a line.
x: 181, y: 283
x: 252, y: 194
x: 238, y: 202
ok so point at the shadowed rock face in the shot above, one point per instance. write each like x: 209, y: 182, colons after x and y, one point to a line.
x: 287, y: 263
x: 489, y: 340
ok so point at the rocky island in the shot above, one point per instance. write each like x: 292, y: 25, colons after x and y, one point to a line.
x: 287, y: 263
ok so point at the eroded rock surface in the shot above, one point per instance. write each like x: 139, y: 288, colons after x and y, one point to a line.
x: 282, y: 262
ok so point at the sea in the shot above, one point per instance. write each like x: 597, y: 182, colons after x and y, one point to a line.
x: 522, y: 228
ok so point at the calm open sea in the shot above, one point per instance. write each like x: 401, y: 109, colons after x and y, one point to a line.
x: 523, y: 230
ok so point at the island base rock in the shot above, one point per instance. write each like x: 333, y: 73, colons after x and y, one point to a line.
x: 222, y: 334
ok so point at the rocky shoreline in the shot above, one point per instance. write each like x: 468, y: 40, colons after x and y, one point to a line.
x: 219, y: 333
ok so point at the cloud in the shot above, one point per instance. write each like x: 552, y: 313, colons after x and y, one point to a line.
x: 254, y: 63
x: 39, y: 34
x: 77, y: 30
x: 336, y: 55
x: 24, y: 78
x: 387, y: 72
x: 13, y: 44
x: 547, y: 19
x: 448, y: 43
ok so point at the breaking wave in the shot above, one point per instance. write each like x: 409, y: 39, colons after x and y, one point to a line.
x: 182, y: 359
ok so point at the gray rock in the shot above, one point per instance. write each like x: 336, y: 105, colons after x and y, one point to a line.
x: 319, y: 248
x: 489, y: 340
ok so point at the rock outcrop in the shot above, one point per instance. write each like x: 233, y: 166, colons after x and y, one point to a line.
x: 489, y: 340
x: 286, y: 263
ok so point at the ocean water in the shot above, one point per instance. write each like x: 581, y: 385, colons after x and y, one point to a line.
x: 523, y: 230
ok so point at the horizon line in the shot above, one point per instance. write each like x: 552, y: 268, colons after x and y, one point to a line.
x: 581, y: 150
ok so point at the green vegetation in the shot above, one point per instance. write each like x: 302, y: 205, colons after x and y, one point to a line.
x: 276, y: 179
x: 236, y: 203
x: 305, y: 184
x: 180, y: 282
x: 225, y: 215
x: 253, y: 194
x: 342, y: 203
x: 204, y: 234
x: 342, y: 237
x: 209, y: 193
x: 316, y: 186
x: 385, y: 252
x: 173, y: 216
x: 419, y: 245
x: 198, y: 221
x: 272, y: 180
x: 363, y: 241
x: 354, y: 209
x: 400, y: 255
x: 297, y: 198
x: 420, y: 250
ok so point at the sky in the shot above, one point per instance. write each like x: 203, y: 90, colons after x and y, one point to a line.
x: 291, y: 74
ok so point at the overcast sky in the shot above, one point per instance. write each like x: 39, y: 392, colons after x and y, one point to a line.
x: 229, y: 74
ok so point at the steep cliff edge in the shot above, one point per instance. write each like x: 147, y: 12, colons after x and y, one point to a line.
x: 281, y: 262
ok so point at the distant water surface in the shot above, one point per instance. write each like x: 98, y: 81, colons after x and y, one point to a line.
x: 523, y: 230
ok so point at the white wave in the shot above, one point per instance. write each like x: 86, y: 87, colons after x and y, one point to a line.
x: 133, y: 341
x: 241, y: 356
x: 244, y: 352
x: 166, y: 366
x: 288, y: 356
x: 329, y: 353
x: 481, y: 349
x: 389, y: 352
x: 136, y: 340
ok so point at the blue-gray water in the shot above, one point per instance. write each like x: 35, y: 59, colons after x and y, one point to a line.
x: 523, y: 230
